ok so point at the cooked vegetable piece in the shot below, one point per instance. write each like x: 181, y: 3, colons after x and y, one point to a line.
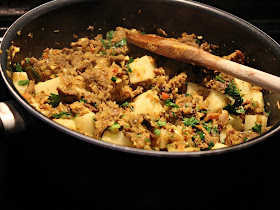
x: 142, y: 69
x: 49, y: 86
x: 68, y: 123
x: 217, y: 101
x: 192, y: 87
x: 148, y: 103
x: 18, y: 77
x: 219, y: 146
x: 252, y: 120
x: 116, y: 138
x: 85, y: 123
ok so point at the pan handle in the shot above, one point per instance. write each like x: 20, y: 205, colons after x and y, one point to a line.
x: 12, y: 119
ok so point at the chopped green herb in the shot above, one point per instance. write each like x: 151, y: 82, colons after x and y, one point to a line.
x: 114, y: 79
x: 170, y: 102
x: 257, y: 128
x: 143, y: 33
x: 27, y: 60
x: 59, y: 115
x: 110, y: 34
x: 106, y: 44
x: 192, y: 121
x: 128, y: 68
x: 186, y: 83
x: 130, y: 60
x: 232, y: 90
x: 201, y: 135
x: 120, y: 43
x: 198, y: 41
x: 207, y: 127
x: 115, y: 126
x: 125, y: 104
x: 54, y: 100
x: 161, y: 123
x: 211, y: 144
x: 147, y: 140
x: 83, y: 100
x: 215, y: 129
x: 240, y: 110
x: 18, y: 68
x: 157, y: 132
x: 23, y: 82
x: 220, y: 78
x: 102, y: 53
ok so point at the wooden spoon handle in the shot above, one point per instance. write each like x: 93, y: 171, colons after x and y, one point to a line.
x: 176, y: 50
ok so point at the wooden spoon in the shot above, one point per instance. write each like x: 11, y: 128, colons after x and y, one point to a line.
x: 176, y: 50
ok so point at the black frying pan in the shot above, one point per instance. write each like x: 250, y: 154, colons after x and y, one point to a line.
x: 53, y: 25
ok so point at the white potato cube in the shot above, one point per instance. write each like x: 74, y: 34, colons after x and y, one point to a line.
x: 236, y: 122
x: 172, y: 133
x: 116, y: 138
x: 255, y: 96
x: 217, y: 101
x: 68, y: 123
x: 85, y: 123
x: 49, y: 86
x: 219, y: 146
x: 224, y: 131
x: 192, y: 87
x: 148, y: 103
x: 251, y: 120
x: 172, y: 148
x: 20, y: 76
x: 142, y: 69
x: 243, y: 86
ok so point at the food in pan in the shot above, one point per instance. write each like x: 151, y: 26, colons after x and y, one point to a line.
x: 110, y: 90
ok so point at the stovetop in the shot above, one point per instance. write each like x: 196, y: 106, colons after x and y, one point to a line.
x: 43, y: 167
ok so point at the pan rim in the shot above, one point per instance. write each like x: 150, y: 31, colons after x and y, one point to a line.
x: 56, y: 4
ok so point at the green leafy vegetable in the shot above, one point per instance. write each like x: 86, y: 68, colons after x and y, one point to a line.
x: 120, y: 43
x: 128, y: 68
x: 130, y: 60
x: 147, y: 140
x: 157, y: 132
x: 170, y: 102
x: 210, y: 145
x: 232, y: 90
x: 220, y: 78
x: 125, y: 104
x: 54, y: 100
x: 23, y: 82
x: 110, y: 34
x: 106, y: 44
x: 18, y: 68
x: 114, y: 126
x: 59, y: 115
x: 257, y: 128
x: 240, y: 110
x: 161, y: 123
x: 83, y: 100
x: 192, y: 121
x: 201, y: 135
x: 114, y: 79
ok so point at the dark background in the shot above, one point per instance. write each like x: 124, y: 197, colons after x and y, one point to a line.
x: 44, y: 168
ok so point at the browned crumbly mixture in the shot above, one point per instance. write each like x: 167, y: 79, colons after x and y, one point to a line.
x: 100, y: 92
